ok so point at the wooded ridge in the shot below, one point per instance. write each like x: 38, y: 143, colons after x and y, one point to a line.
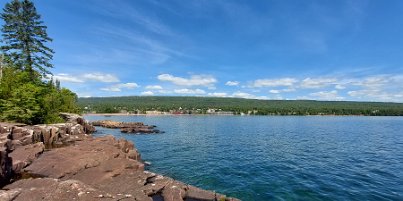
x: 202, y: 105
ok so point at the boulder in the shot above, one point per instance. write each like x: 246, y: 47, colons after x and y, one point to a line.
x: 77, y: 119
x: 25, y: 155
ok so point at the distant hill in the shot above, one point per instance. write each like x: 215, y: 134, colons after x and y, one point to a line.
x: 194, y: 105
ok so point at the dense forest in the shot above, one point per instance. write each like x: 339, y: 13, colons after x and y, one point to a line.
x: 195, y: 105
x: 28, y: 94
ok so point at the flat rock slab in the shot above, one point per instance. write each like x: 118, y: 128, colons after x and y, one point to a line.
x: 23, y: 156
x: 49, y: 189
x: 89, y: 153
x: 104, y: 167
x: 61, y: 162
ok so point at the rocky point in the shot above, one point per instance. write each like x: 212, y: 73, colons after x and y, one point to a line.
x: 128, y: 127
x: 64, y: 162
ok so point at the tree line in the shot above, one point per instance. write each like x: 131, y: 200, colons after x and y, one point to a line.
x: 28, y: 93
x: 199, y: 105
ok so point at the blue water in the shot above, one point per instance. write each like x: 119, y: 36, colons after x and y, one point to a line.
x: 277, y: 157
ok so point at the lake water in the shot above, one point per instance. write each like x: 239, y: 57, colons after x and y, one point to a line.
x: 277, y: 157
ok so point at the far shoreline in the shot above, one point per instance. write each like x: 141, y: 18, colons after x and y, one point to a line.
x: 327, y: 115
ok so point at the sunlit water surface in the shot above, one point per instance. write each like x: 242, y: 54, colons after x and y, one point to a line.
x: 277, y: 157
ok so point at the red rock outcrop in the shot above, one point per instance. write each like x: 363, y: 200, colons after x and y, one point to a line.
x: 81, y: 168
x: 101, y: 168
x: 20, y: 144
x: 127, y: 127
x: 77, y: 119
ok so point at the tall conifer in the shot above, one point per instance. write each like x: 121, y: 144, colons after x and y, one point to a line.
x: 24, y: 38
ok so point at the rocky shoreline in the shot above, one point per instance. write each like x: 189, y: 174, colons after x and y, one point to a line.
x: 64, y: 162
x: 128, y: 127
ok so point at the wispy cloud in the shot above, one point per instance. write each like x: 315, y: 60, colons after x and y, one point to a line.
x: 285, y: 82
x: 194, y: 80
x: 383, y: 87
x: 153, y: 87
x: 232, y: 83
x: 378, y: 88
x: 63, y: 77
x: 147, y: 93
x: 157, y: 49
x: 376, y: 95
x: 240, y: 94
x: 126, y: 11
x: 100, y: 77
x: 190, y: 91
x: 327, y: 95
x: 218, y: 94
x: 119, y: 87
x: 86, y: 77
x: 340, y: 86
x: 314, y: 83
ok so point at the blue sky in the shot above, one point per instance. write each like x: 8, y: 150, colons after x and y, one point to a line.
x: 272, y: 49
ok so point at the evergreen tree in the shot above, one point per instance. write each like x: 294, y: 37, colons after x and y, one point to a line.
x: 24, y: 96
x: 24, y: 38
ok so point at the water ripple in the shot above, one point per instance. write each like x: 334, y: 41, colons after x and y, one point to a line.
x: 278, y: 158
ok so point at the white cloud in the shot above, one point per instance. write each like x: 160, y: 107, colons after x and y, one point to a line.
x: 327, y: 95
x: 218, y: 94
x: 194, y: 80
x: 232, y: 83
x: 314, y: 83
x: 62, y: 77
x: 378, y: 88
x: 189, y: 91
x: 339, y: 86
x: 361, y: 93
x: 240, y: 94
x: 378, y: 81
x: 153, y: 87
x: 288, y: 82
x: 277, y: 91
x: 119, y: 87
x: 80, y: 78
x: 129, y: 85
x: 147, y: 93
x: 376, y: 95
x: 100, y: 77
x: 111, y: 89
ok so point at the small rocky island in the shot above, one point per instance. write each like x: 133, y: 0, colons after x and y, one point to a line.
x: 127, y: 127
x: 64, y: 162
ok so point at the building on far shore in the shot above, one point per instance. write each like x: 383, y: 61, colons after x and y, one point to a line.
x: 219, y: 112
x: 153, y: 112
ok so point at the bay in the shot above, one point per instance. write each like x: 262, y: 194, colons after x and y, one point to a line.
x: 276, y: 157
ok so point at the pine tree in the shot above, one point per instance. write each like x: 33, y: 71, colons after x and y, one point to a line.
x: 24, y: 38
